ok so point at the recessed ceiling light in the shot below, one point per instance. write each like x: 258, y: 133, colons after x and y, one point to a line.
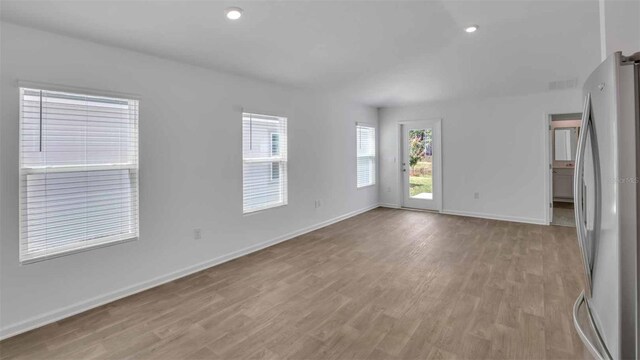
x: 471, y: 28
x: 233, y: 13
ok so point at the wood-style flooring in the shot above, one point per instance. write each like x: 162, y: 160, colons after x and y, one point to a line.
x: 387, y: 284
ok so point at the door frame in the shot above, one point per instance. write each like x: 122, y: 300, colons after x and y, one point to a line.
x: 548, y: 156
x: 437, y: 147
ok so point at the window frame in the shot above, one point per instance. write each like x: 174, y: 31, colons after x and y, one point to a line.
x: 271, y: 142
x: 275, y: 165
x: 68, y: 249
x: 279, y: 159
x: 373, y: 158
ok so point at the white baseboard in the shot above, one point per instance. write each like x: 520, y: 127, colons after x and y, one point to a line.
x: 56, y: 315
x: 496, y: 217
x: 392, y: 206
x: 478, y: 215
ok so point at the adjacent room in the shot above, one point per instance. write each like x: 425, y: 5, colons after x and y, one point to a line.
x: 283, y: 179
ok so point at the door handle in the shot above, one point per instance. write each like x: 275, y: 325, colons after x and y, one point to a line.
x: 578, y: 179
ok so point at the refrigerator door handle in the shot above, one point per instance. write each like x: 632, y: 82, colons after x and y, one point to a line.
x: 600, y: 351
x: 578, y: 179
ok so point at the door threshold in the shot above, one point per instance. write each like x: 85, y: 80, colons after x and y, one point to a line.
x: 419, y: 210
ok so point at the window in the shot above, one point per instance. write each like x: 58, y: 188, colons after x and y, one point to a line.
x: 275, y: 171
x: 264, y: 162
x: 275, y: 144
x: 366, y: 155
x: 78, y: 172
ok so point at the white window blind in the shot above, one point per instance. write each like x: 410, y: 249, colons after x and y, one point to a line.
x: 366, y: 155
x: 264, y: 162
x: 78, y: 172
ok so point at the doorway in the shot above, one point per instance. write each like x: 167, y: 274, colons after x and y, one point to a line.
x: 564, y: 130
x: 420, y: 167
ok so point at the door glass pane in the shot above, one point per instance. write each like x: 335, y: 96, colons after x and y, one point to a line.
x: 421, y: 163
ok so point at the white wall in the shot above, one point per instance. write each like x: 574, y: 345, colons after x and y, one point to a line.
x: 190, y: 171
x: 619, y: 27
x: 492, y: 146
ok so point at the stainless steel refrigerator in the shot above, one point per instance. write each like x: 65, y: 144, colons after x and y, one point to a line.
x: 607, y: 202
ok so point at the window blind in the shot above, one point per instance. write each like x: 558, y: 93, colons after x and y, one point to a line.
x: 366, y: 155
x: 264, y: 162
x: 78, y: 172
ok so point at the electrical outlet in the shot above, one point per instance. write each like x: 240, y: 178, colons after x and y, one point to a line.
x: 388, y: 188
x: 476, y: 195
x: 317, y: 203
x: 197, y: 234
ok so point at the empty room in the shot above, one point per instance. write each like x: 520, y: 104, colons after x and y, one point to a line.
x: 319, y: 179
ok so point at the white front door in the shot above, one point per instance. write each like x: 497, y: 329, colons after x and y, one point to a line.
x: 421, y: 164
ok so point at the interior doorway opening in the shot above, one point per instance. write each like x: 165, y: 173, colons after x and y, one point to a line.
x: 564, y: 130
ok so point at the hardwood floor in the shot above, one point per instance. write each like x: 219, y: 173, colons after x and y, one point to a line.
x: 387, y: 284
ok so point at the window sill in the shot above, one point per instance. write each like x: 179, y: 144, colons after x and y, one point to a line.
x: 262, y: 209
x: 30, y: 259
x: 365, y: 187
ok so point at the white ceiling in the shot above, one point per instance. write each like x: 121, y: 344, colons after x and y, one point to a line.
x: 380, y: 53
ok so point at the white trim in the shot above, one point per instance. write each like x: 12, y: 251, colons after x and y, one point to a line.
x: 76, y: 89
x: 548, y: 165
x: 365, y: 186
x: 34, y: 257
x: 77, y: 168
x: 548, y: 162
x: 473, y: 214
x: 374, y: 157
x: 438, y: 183
x: 282, y: 159
x: 25, y: 257
x: 265, y: 160
x: 495, y: 217
x: 56, y: 315
x: 390, y: 206
x: 438, y: 178
x: 603, y: 30
x: 263, y: 207
x: 265, y: 114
